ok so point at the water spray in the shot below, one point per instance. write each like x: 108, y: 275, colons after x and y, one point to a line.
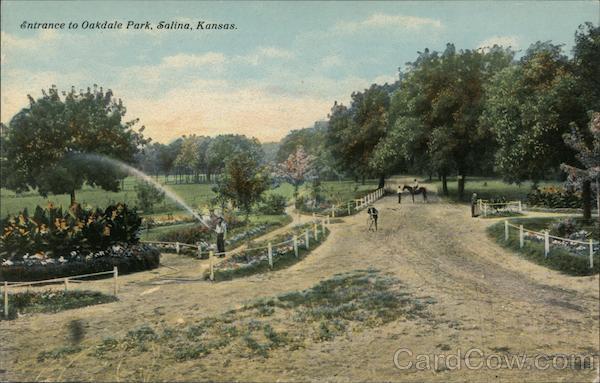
x: 138, y: 173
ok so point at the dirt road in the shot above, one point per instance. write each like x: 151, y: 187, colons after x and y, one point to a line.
x: 486, y: 298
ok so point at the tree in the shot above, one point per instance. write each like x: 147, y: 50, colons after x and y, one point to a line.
x: 46, y: 142
x: 224, y: 146
x: 353, y: 133
x: 297, y: 168
x: 588, y: 154
x: 529, y: 107
x: 243, y: 181
x: 148, y: 196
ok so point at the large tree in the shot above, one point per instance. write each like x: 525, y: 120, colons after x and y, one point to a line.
x: 529, y: 107
x: 354, y: 132
x: 222, y: 147
x: 46, y: 142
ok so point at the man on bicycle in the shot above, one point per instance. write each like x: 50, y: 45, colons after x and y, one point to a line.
x: 373, y: 215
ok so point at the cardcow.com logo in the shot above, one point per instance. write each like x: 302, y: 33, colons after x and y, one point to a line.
x: 476, y: 359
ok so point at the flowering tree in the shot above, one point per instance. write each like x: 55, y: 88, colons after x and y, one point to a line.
x: 297, y: 168
x: 588, y: 154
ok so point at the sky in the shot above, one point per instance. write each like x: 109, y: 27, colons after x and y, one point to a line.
x: 281, y: 68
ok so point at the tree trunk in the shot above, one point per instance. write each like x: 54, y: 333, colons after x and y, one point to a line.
x: 586, y: 195
x: 73, y: 197
x: 381, y: 181
x: 444, y: 184
x: 461, y: 186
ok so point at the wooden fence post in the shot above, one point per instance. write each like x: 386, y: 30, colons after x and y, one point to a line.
x: 521, y: 237
x: 591, y: 253
x: 546, y: 243
x: 323, y: 226
x: 520, y: 207
x: 116, y: 280
x: 211, y: 258
x: 270, y: 255
x: 296, y: 246
x: 177, y: 248
x: 199, y: 250
x: 306, y: 239
x: 333, y: 211
x: 506, y: 230
x: 484, y: 209
x: 5, y: 299
x: 328, y: 220
x: 316, y: 231
x: 349, y: 209
x: 66, y: 284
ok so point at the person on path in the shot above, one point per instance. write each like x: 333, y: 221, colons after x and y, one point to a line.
x: 473, y: 204
x: 373, y: 215
x: 399, y: 194
x: 221, y: 230
x: 415, y: 186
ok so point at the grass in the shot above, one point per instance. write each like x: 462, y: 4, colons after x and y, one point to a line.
x: 558, y: 259
x: 334, y: 307
x: 487, y: 188
x: 53, y: 301
x: 195, y: 195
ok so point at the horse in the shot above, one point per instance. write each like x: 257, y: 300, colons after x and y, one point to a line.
x: 419, y: 190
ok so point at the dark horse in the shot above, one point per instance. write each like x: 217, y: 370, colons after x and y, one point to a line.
x: 413, y: 191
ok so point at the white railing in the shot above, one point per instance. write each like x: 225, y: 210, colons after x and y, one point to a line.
x: 486, y: 207
x: 63, y: 280
x: 549, y: 239
x: 361, y: 203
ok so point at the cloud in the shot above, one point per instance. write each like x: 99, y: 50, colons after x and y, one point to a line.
x: 332, y: 61
x: 183, y: 60
x: 262, y: 53
x: 504, y: 41
x: 386, y: 21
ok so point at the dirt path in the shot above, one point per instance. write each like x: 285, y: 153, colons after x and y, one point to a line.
x: 485, y: 298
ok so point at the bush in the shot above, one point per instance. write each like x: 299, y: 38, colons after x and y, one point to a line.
x: 274, y: 204
x: 143, y: 258
x: 554, y: 197
x: 52, y: 233
x: 564, y: 228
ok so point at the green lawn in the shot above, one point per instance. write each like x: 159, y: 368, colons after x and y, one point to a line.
x: 487, y: 188
x: 196, y: 195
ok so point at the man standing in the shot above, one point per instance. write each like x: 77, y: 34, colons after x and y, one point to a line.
x: 221, y: 230
x: 373, y: 215
x: 399, y: 194
x: 473, y: 204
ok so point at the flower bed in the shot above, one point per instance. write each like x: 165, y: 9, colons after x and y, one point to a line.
x: 256, y: 260
x: 127, y: 258
x: 201, y: 234
x: 53, y: 243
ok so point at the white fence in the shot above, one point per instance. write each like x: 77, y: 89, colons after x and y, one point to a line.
x: 294, y: 242
x: 66, y: 281
x: 368, y: 199
x: 487, y: 208
x: 551, y: 240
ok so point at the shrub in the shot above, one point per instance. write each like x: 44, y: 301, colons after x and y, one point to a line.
x: 564, y: 228
x: 52, y: 233
x: 274, y: 204
x: 554, y: 197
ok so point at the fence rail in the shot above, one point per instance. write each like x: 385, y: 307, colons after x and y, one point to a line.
x: 63, y: 280
x: 547, y: 237
x: 486, y: 206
